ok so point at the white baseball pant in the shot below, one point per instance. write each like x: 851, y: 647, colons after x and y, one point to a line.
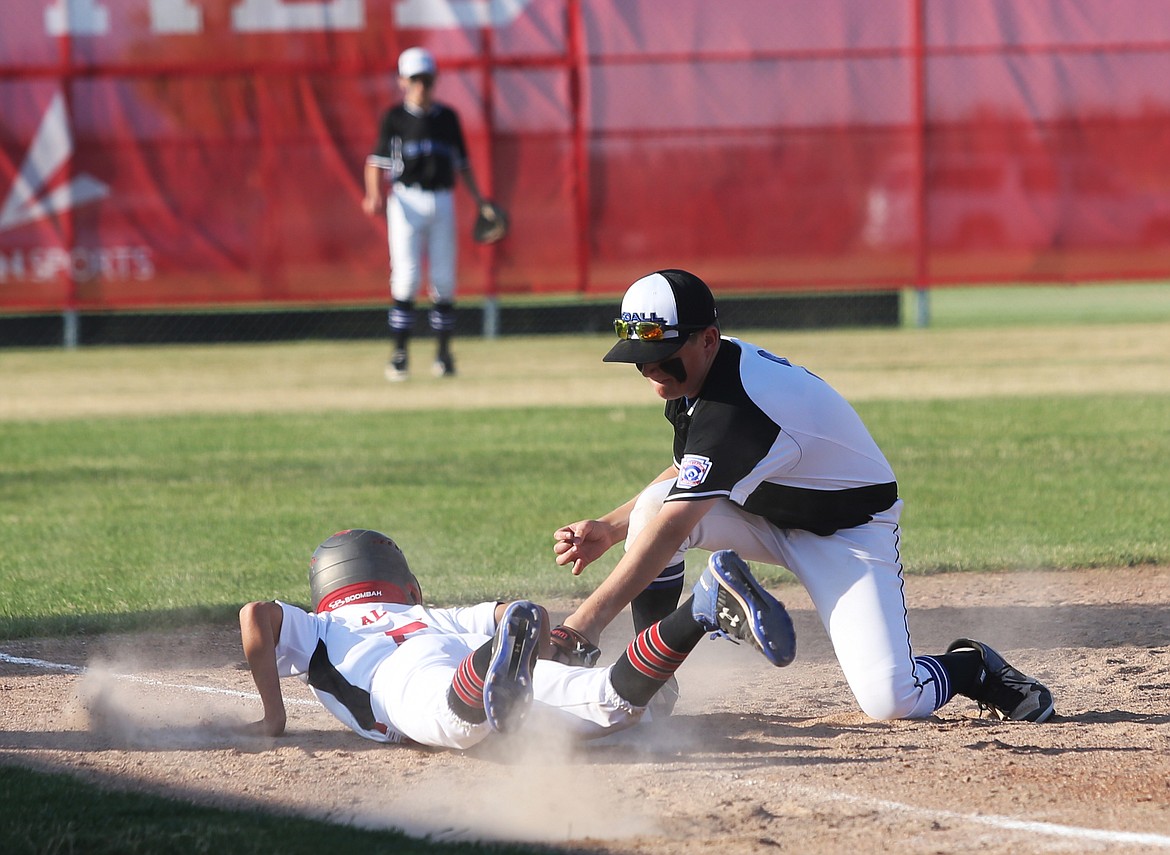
x: 421, y: 225
x: 409, y: 692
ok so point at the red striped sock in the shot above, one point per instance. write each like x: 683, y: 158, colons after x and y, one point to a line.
x: 466, y: 694
x: 651, y: 657
x: 647, y: 663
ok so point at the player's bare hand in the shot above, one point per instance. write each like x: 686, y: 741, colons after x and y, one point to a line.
x: 263, y: 727
x: 371, y: 205
x: 581, y: 543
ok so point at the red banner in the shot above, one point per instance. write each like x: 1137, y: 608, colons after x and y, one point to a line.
x: 209, y: 152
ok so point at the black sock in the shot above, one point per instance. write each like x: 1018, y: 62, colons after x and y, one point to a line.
x: 658, y: 600
x: 654, y: 655
x: 401, y: 322
x: 442, y: 319
x: 964, y: 668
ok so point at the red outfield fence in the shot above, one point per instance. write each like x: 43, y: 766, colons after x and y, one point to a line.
x: 165, y: 153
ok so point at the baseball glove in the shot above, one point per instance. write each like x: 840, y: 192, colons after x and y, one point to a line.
x: 572, y: 648
x: 491, y: 224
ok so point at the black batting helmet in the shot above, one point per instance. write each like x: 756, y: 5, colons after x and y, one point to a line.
x: 359, y: 565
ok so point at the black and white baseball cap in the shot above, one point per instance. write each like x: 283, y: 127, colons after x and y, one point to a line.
x: 416, y: 60
x: 678, y: 300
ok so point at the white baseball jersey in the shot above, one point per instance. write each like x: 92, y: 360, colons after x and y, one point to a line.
x: 805, y: 488
x: 340, y: 653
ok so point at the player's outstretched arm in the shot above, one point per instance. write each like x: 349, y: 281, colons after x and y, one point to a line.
x: 644, y: 559
x: 260, y: 624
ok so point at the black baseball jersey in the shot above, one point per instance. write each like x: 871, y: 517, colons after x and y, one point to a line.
x: 778, y: 441
x: 421, y: 149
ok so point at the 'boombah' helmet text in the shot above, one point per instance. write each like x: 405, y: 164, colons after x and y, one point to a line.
x: 358, y: 565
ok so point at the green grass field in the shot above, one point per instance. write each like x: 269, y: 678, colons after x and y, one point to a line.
x: 132, y: 522
x: 1028, y: 428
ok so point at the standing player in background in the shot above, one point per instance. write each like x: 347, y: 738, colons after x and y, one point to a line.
x: 420, y: 145
x: 393, y: 669
x: 770, y: 461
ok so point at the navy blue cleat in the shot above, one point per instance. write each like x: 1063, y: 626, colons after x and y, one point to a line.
x: 730, y: 603
x: 507, y: 688
x: 1006, y: 693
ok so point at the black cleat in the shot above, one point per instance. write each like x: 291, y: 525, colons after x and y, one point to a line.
x: 398, y: 368
x: 507, y: 687
x: 444, y: 365
x: 1008, y: 694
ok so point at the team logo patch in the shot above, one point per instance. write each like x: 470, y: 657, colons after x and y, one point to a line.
x: 693, y: 471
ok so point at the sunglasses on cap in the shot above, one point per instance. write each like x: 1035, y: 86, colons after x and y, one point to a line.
x: 650, y: 330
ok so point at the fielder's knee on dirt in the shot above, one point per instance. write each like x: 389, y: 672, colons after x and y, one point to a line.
x: 892, y: 697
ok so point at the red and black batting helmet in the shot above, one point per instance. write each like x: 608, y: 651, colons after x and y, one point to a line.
x: 359, y: 565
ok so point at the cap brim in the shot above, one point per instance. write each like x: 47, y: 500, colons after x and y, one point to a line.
x: 635, y: 350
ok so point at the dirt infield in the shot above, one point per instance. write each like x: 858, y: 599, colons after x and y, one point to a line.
x: 755, y: 759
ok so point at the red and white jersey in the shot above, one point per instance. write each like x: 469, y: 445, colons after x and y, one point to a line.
x: 338, y: 652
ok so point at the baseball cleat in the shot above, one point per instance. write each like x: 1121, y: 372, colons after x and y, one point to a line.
x: 444, y: 366
x: 397, y: 369
x: 730, y: 603
x: 507, y: 687
x: 1008, y: 694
